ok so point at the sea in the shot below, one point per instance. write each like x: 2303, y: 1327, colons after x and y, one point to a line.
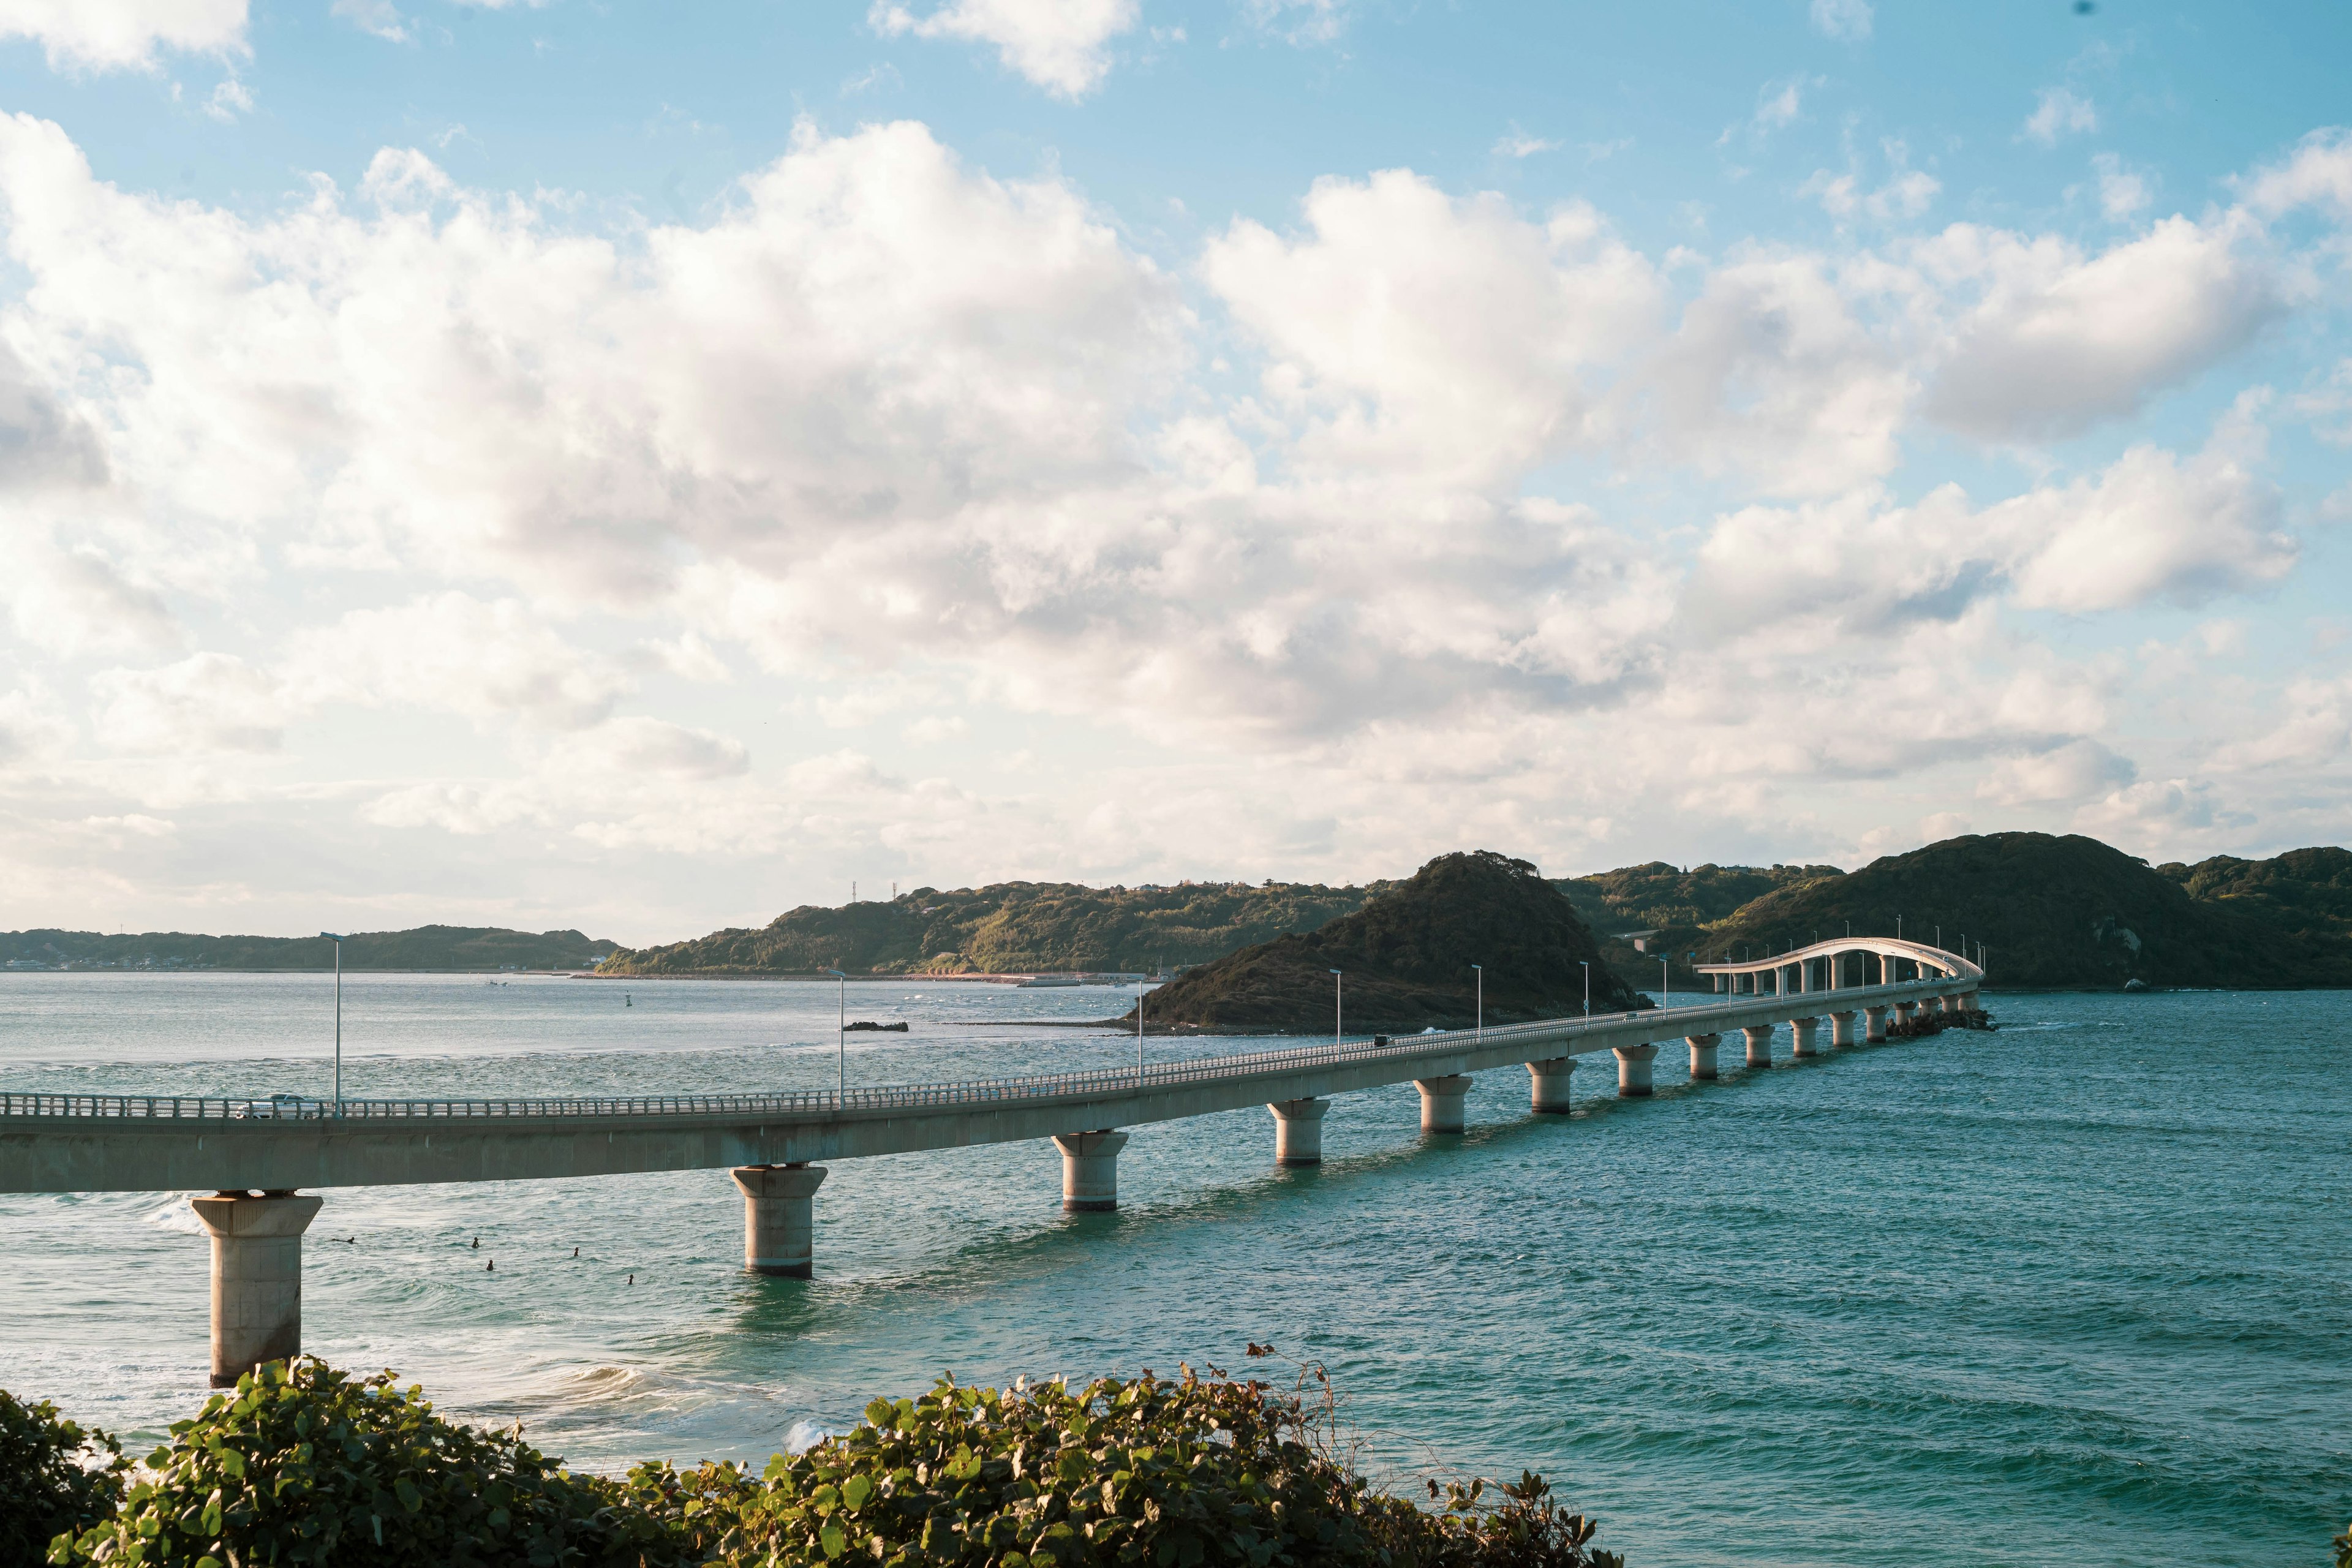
x: 2075, y: 1291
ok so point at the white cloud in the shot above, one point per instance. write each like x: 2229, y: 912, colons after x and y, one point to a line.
x: 229, y: 100
x: 381, y: 17
x: 2122, y: 192
x: 2059, y: 110
x: 1520, y: 144
x: 2072, y: 772
x: 1778, y: 104
x: 1300, y: 22
x: 2319, y: 174
x: 206, y: 702
x: 1420, y: 331
x: 1846, y: 20
x: 1062, y: 46
x: 456, y: 654
x: 124, y: 35
x: 2057, y: 340
x: 1906, y: 193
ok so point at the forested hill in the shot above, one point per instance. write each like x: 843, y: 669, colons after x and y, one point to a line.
x: 1407, y: 959
x: 2072, y: 912
x: 425, y: 948
x: 1013, y: 928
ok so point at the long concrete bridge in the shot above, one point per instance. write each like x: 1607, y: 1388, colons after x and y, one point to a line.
x: 257, y: 1155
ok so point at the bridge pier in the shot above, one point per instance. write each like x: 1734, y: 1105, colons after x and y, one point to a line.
x: 1702, y: 1049
x: 1875, y: 1025
x: 1759, y: 1045
x: 1842, y: 1029
x: 1298, y: 1131
x: 1441, y: 1102
x: 780, y: 1219
x: 1805, y: 1030
x: 1634, y: 1071
x: 1548, y: 1086
x: 257, y: 1278
x: 1090, y: 1170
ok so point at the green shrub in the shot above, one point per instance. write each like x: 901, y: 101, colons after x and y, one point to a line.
x: 1141, y: 1473
x: 307, y: 1465
x: 55, y: 1477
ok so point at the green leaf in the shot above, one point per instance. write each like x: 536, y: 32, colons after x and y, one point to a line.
x: 832, y: 1539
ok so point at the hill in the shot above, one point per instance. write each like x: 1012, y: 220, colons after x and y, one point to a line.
x: 2073, y: 912
x: 1656, y: 895
x: 1407, y: 955
x: 2306, y: 892
x: 426, y: 948
x: 1008, y: 928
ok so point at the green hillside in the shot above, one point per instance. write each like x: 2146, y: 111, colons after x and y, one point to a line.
x: 1639, y: 898
x: 2073, y: 912
x: 1008, y: 928
x: 1407, y: 957
x: 427, y: 947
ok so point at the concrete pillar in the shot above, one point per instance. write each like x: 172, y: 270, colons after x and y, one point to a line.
x: 1441, y: 1102
x: 1805, y: 1030
x: 1548, y: 1089
x: 1090, y: 1170
x: 1842, y: 1029
x: 1298, y: 1131
x: 1875, y: 1018
x: 1759, y: 1045
x: 1702, y: 1049
x: 1634, y: 1071
x: 780, y: 1219
x: 257, y: 1278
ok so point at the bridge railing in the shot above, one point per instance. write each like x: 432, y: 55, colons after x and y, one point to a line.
x: 806, y: 1102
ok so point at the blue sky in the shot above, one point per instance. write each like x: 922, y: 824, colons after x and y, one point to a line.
x: 644, y: 466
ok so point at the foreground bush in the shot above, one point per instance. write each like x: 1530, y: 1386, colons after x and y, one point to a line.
x: 55, y: 1477
x: 1147, y: 1473
x: 307, y: 1465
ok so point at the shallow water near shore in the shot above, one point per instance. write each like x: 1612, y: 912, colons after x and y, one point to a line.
x: 2073, y: 1292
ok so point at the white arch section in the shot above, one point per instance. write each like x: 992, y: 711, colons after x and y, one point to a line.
x: 1931, y: 961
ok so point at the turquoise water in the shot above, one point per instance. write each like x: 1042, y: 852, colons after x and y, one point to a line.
x: 2075, y: 1292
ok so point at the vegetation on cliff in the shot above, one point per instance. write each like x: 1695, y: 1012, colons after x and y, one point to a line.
x: 426, y: 947
x: 303, y: 1464
x: 2072, y: 911
x: 1008, y: 928
x: 1407, y: 958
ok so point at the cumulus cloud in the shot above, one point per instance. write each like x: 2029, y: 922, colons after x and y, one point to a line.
x: 124, y: 35
x: 1062, y: 46
x: 889, y: 437
x: 1430, y: 332
x: 2319, y: 175
x: 2057, y: 340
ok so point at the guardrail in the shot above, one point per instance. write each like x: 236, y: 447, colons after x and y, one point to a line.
x: 907, y: 1096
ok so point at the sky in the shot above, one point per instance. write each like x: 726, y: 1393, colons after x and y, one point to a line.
x: 645, y: 466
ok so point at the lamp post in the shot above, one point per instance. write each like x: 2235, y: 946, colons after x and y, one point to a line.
x: 1665, y: 997
x: 1480, y: 969
x: 1336, y: 983
x: 841, y: 1043
x: 1586, y: 965
x: 1139, y: 1033
x: 330, y: 936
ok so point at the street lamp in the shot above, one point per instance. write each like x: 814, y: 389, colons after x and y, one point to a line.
x: 1336, y: 999
x: 841, y: 1043
x: 1139, y: 1033
x: 1586, y: 965
x: 1665, y: 997
x: 330, y: 936
x: 1480, y: 969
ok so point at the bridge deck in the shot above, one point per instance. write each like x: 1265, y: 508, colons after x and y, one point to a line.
x: 167, y: 1143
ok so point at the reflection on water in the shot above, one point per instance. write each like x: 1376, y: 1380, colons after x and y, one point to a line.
x: 2059, y: 1294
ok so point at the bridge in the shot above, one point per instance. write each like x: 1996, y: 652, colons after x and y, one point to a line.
x: 255, y: 1156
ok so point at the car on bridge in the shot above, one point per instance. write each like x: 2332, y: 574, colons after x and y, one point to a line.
x: 283, y: 1108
